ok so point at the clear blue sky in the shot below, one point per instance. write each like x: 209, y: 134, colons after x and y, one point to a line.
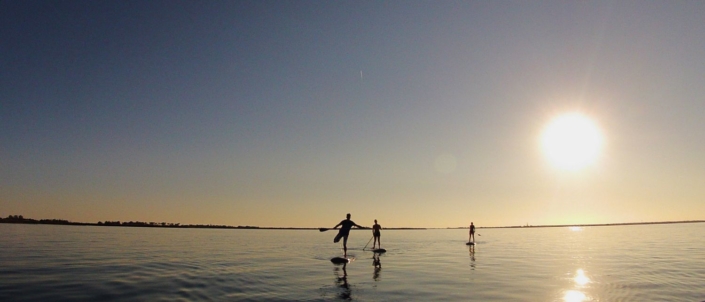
x: 294, y: 113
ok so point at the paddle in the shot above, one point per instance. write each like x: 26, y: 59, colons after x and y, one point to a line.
x: 322, y: 229
x: 368, y: 242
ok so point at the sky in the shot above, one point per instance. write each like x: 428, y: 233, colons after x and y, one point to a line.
x: 294, y: 113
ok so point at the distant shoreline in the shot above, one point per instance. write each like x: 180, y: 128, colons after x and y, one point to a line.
x: 585, y: 225
x: 19, y: 219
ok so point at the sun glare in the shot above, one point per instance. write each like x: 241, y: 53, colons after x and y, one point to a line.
x: 571, y: 141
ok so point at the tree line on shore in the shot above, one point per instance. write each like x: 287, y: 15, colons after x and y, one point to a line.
x: 21, y: 219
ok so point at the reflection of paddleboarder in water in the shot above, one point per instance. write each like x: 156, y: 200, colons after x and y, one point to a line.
x: 345, y: 227
x: 342, y: 282
x: 471, y: 250
x: 378, y: 266
x: 472, y: 233
x: 376, y: 234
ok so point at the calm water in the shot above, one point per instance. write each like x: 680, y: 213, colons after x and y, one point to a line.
x: 86, y: 263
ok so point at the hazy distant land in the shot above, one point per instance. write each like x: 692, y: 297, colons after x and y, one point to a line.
x: 21, y: 219
x: 584, y: 225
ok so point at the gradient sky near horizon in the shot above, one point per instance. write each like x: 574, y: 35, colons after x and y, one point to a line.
x: 294, y: 113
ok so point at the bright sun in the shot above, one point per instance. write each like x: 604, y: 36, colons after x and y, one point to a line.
x: 571, y: 141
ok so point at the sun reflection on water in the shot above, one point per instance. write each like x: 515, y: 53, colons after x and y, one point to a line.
x: 580, y: 278
x: 574, y: 296
x: 576, y: 228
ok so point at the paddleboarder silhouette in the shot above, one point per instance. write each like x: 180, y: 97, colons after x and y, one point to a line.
x: 376, y: 234
x: 345, y: 227
x: 472, y: 233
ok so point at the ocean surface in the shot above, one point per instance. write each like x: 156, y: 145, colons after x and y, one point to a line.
x: 606, y: 263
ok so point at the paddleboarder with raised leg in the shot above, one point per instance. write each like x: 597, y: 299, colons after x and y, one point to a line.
x: 471, y: 237
x: 376, y: 235
x: 345, y: 227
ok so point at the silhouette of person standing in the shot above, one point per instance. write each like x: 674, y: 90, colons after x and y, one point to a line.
x: 376, y: 234
x: 345, y: 227
x: 472, y: 233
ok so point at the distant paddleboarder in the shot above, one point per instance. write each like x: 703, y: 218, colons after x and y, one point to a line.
x: 471, y: 237
x: 345, y: 227
x: 376, y: 234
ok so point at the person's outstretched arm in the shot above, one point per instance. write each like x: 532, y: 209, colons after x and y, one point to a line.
x: 337, y: 225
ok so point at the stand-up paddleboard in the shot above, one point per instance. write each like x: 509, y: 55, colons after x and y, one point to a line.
x: 341, y: 260
x: 470, y: 243
x: 380, y: 250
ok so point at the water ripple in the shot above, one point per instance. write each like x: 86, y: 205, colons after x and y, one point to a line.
x: 637, y: 263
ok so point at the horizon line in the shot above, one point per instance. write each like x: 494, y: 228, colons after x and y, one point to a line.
x: 21, y: 219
